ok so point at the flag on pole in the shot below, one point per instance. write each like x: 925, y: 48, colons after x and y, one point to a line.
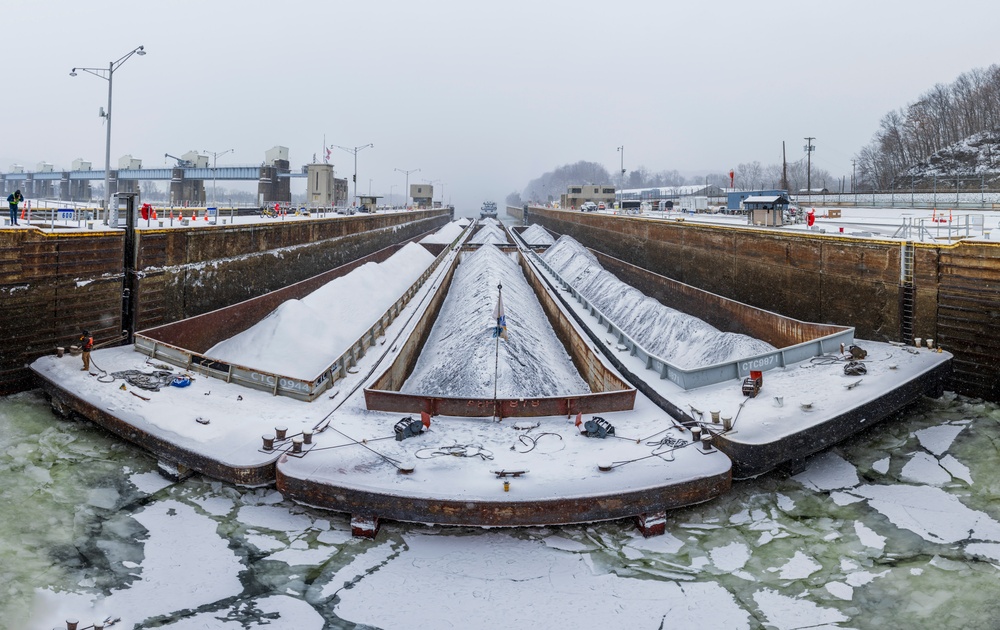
x: 327, y: 158
x: 501, y: 328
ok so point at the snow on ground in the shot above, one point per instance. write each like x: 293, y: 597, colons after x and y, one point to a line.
x: 447, y: 234
x: 537, y: 235
x: 460, y: 356
x: 926, y: 224
x: 677, y: 337
x: 194, y: 217
x: 303, y: 337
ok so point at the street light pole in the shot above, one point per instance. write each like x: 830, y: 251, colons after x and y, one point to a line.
x: 621, y: 187
x: 809, y: 151
x: 108, y: 75
x: 406, y: 193
x: 355, y: 151
x: 215, y: 157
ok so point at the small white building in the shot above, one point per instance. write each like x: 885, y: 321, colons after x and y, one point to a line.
x: 766, y: 210
x: 129, y: 163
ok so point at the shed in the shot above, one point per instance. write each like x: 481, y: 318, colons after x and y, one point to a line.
x: 369, y: 202
x: 766, y: 209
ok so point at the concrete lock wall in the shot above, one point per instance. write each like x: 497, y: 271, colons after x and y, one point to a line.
x: 821, y: 278
x: 53, y: 284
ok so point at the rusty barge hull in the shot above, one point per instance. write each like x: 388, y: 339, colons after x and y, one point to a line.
x: 750, y: 460
x: 645, y: 505
x: 182, y: 459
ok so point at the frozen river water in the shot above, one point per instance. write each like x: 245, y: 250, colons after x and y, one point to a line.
x: 900, y: 527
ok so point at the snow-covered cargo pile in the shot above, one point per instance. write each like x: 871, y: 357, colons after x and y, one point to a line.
x: 301, y: 338
x: 537, y: 235
x: 676, y: 337
x: 459, y: 357
x: 490, y: 232
x: 445, y: 235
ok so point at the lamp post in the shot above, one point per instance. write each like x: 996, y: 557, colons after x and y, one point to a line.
x: 355, y: 151
x: 810, y: 147
x: 215, y: 158
x: 108, y: 75
x: 406, y: 192
x: 621, y: 150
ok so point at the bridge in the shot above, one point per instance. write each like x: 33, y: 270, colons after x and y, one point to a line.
x: 186, y: 184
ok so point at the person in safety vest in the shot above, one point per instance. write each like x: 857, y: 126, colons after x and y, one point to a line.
x: 13, y: 199
x: 87, y: 343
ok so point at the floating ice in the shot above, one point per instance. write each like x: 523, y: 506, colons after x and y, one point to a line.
x: 930, y: 512
x: 956, y: 469
x: 274, y: 518
x: 840, y: 591
x: 800, y: 566
x: 106, y: 498
x: 868, y: 537
x: 730, y: 557
x: 523, y: 584
x: 786, y: 612
x: 938, y: 439
x: 828, y: 471
x: 923, y: 468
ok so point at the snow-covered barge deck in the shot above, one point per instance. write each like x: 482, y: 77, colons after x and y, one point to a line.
x: 813, y: 395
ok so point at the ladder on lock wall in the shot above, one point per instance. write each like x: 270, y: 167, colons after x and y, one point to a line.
x: 907, y: 293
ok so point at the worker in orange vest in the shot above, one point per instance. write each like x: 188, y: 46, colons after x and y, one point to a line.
x: 87, y: 344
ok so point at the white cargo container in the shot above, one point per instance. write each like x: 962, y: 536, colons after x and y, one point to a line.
x: 694, y: 203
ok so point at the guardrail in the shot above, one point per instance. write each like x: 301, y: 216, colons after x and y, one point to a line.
x: 711, y: 374
x: 277, y: 384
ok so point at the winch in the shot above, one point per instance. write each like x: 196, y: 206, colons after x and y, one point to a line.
x: 598, y: 427
x: 408, y: 427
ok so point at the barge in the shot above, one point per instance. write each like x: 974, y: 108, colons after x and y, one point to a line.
x: 648, y: 438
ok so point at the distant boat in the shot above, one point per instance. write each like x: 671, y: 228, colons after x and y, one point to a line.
x: 488, y: 211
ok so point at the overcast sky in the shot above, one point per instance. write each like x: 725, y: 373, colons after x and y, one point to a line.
x: 480, y: 96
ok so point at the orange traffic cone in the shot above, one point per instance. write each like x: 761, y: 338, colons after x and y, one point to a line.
x: 154, y: 214
x: 206, y: 214
x: 23, y: 210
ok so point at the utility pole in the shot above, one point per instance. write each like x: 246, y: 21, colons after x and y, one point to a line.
x: 355, y: 151
x: 621, y: 151
x: 809, y: 150
x: 215, y: 161
x: 784, y: 168
x: 406, y: 193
